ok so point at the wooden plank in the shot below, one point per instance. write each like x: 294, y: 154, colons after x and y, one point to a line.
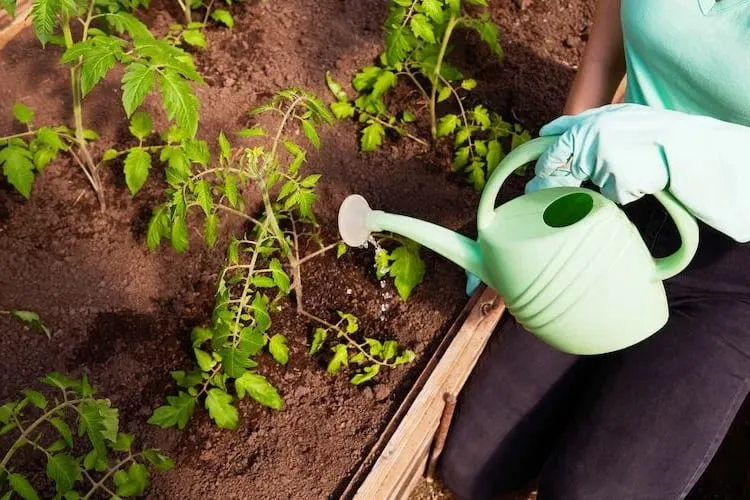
x: 404, y: 458
x: 9, y: 26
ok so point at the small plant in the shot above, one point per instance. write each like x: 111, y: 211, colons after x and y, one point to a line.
x: 110, y: 35
x: 78, y: 435
x: 417, y: 42
x: 263, y: 268
x: 29, y: 319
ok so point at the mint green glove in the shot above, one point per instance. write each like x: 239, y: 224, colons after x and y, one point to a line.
x: 631, y: 150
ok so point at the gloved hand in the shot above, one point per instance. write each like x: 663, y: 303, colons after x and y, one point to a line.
x: 472, y: 282
x: 630, y: 150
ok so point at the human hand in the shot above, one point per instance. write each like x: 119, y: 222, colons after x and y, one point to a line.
x: 619, y: 147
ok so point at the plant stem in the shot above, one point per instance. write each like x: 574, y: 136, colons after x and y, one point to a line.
x: 443, y: 47
x: 22, y: 439
x: 398, y: 129
x: 317, y: 252
x: 463, y: 113
x: 106, y: 476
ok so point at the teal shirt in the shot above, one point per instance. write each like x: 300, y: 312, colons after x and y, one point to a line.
x: 689, y: 55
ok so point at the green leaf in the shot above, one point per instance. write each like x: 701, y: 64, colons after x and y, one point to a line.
x: 468, y: 84
x: 481, y: 116
x: 110, y: 154
x: 44, y: 18
x: 461, y: 157
x: 262, y: 318
x: 36, y: 398
x: 494, y: 154
x: 405, y: 357
x: 179, y: 235
x: 23, y: 113
x: 368, y: 373
x: 179, y: 101
x: 365, y: 77
x: 123, y: 442
x: 376, y: 347
x: 211, y: 230
x: 260, y: 389
x: 447, y: 124
x: 132, y: 482
x: 97, y: 62
x: 204, y: 359
x: 22, y: 486
x: 18, y: 168
x: 137, y: 165
x: 488, y: 33
x: 398, y: 45
x: 434, y: 10
x: 476, y: 174
x: 454, y: 6
x: 385, y: 80
x: 342, y: 110
x: 55, y: 379
x: 64, y: 471
x: 372, y: 136
x: 137, y: 82
x: 224, y: 146
x: 220, y: 409
x: 390, y: 348
x: 319, y: 338
x: 407, y: 268
x: 341, y: 249
x: 252, y: 340
x: 257, y: 131
x: 92, y: 461
x: 203, y: 195
x: 382, y: 262
x: 230, y: 190
x: 10, y: 8
x: 224, y: 17
x: 99, y: 422
x: 280, y: 278
x: 422, y: 28
x: 158, y: 459
x: 311, y: 133
x: 235, y: 361
x: 141, y: 125
x: 31, y: 320
x: 336, y: 89
x: 278, y: 349
x: 176, y: 413
x: 340, y: 358
x: 63, y: 429
x: 352, y: 323
x: 90, y: 135
x: 194, y: 38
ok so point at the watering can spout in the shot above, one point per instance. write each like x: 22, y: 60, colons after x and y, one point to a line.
x: 357, y: 221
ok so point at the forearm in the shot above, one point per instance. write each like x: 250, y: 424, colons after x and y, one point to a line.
x: 603, y: 63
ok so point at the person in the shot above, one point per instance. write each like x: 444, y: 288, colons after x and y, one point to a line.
x: 642, y: 422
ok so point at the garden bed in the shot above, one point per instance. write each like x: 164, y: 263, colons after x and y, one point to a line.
x: 123, y: 315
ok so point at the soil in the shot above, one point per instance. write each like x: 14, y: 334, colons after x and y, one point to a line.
x: 122, y: 315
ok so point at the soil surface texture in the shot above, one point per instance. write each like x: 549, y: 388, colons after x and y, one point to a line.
x: 123, y: 315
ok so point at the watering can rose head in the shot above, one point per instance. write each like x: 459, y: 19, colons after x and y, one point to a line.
x: 569, y: 264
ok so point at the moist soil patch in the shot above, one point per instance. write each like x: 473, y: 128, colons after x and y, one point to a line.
x: 123, y: 315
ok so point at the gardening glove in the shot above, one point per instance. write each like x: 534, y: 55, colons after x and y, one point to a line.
x: 630, y: 150
x: 472, y: 282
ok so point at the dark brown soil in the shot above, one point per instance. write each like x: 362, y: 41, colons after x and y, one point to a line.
x: 122, y: 314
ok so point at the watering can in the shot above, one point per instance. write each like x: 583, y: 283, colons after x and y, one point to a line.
x: 570, y: 266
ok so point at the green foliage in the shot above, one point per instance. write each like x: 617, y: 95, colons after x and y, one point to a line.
x: 78, y: 434
x: 29, y: 319
x: 364, y: 356
x: 402, y: 263
x: 417, y: 42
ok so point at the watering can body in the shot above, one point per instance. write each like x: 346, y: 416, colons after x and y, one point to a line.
x: 568, y: 263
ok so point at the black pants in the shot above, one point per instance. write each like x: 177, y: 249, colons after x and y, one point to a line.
x: 642, y: 423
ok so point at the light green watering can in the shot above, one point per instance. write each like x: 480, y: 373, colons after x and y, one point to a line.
x: 568, y: 263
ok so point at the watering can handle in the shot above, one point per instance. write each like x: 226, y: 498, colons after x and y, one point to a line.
x: 666, y: 267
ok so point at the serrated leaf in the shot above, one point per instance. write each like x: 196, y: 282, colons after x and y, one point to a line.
x: 342, y: 110
x: 179, y: 101
x: 132, y: 482
x: 224, y: 17
x: 58, y: 380
x: 141, y: 125
x: 352, y: 323
x: 390, y: 348
x: 63, y: 430
x: 398, y: 45
x: 123, y: 442
x: 444, y: 94
x: 494, y: 154
x: 406, y: 356
x: 468, y: 84
x: 376, y: 347
x: 407, y: 269
x: 200, y: 335
x: 211, y: 230
x: 137, y: 166
x: 18, y: 168
x: 97, y: 62
x: 372, y: 136
x: 176, y: 413
x: 203, y: 196
x: 319, y: 338
x: 434, y: 10
x: 235, y: 361
x: 280, y: 278
x: 384, y: 81
x: 137, y: 82
x: 311, y: 133
x: 447, y: 124
x: 179, y: 236
x: 204, y: 359
x: 252, y: 340
x: 257, y: 131
x: 260, y: 389
x: 194, y: 38
x: 278, y: 348
x: 224, y: 146
x: 44, y: 18
x: 220, y: 409
x: 64, y: 471
x: 476, y: 174
x: 335, y: 87
x: 36, y: 398
x: 158, y: 459
x: 262, y: 318
x: 110, y: 154
x: 365, y: 77
x: 341, y: 249
x: 368, y: 373
x: 488, y: 32
x: 230, y: 190
x: 462, y: 136
x: 23, y: 113
x: 340, y: 358
x: 422, y: 28
x: 22, y: 487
